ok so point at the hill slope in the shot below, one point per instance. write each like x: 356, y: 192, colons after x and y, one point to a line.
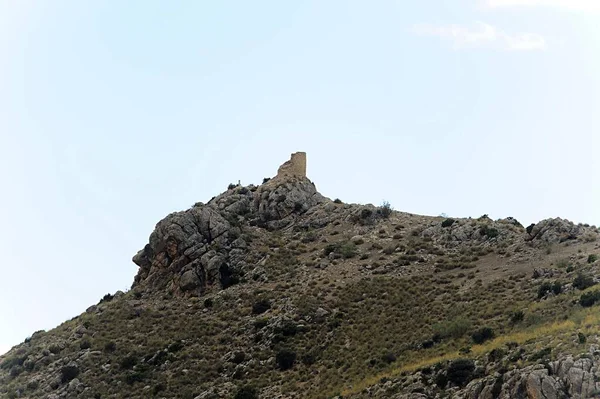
x: 275, y: 291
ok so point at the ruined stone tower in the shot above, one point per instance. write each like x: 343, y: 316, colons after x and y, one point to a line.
x: 295, y: 167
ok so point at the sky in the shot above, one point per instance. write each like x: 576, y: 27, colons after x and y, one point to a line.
x: 114, y: 114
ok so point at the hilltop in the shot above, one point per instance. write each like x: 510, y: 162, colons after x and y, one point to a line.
x: 275, y: 291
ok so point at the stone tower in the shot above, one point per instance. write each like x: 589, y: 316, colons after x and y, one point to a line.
x: 295, y: 167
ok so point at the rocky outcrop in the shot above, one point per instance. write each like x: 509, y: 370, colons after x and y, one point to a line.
x: 552, y: 231
x: 564, y: 378
x: 191, y: 251
x: 568, y: 377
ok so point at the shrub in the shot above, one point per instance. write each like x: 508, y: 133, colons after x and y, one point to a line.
x: 106, y: 298
x: 529, y: 228
x: 581, y: 338
x: 68, y: 372
x: 517, y: 316
x: 541, y: 354
x: 246, y: 392
x: 544, y: 289
x: 385, y: 209
x: 261, y: 323
x: 583, y: 281
x: 348, y: 250
x: 110, y: 347
x: 128, y: 362
x: 570, y: 268
x: 231, y: 186
x: 482, y: 335
x: 261, y: 306
x: 238, y: 357
x: 366, y: 213
x: 85, y: 344
x: 175, y: 346
x: 451, y: 329
x: 266, y: 179
x: 460, y: 371
x: 136, y: 376
x: 388, y: 358
x: 556, y: 288
x: 488, y: 231
x: 448, y: 222
x: 592, y: 258
x: 208, y: 303
x: 337, y: 201
x: 589, y: 298
x: 285, y: 359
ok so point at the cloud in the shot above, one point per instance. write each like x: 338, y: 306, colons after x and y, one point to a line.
x: 482, y: 36
x: 573, y: 5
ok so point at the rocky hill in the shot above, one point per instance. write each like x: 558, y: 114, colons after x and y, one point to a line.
x: 274, y: 291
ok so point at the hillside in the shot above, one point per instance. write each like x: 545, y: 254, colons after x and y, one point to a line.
x: 275, y: 291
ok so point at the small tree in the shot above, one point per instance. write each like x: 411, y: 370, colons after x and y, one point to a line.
x: 385, y: 209
x: 285, y: 359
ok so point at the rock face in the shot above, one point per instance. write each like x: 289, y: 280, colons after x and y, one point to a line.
x: 559, y: 230
x: 564, y: 378
x: 188, y: 252
x: 567, y: 377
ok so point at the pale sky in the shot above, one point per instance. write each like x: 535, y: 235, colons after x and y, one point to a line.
x: 113, y: 114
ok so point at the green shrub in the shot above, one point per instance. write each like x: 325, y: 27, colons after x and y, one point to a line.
x: 68, y: 372
x: 592, y: 258
x: 106, y: 298
x: 85, y: 344
x: 460, y: 371
x: 246, y: 392
x: 348, y: 250
x: 385, y: 210
x: 583, y: 281
x: 541, y: 354
x: 544, y: 289
x: 285, y: 359
x: 128, y: 362
x: 345, y: 250
x: 110, y: 347
x: 581, y: 338
x: 337, y: 201
x: 517, y: 316
x: 452, y: 329
x: 448, y: 222
x: 589, y: 298
x: 261, y: 306
x: 556, y: 288
x: 488, y: 231
x: 482, y: 335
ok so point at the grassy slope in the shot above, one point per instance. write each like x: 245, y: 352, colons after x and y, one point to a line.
x: 379, y: 311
